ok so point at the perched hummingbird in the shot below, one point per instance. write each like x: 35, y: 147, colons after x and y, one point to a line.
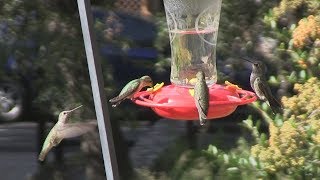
x: 201, y: 97
x: 63, y: 130
x: 260, y: 86
x: 130, y: 89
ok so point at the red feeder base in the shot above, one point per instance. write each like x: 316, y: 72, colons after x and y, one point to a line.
x: 176, y: 102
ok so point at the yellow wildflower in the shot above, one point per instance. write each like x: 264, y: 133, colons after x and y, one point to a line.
x: 302, y: 64
x: 286, y: 6
x: 274, y: 132
x: 255, y: 150
x: 289, y: 144
x: 307, y: 29
x: 282, y: 151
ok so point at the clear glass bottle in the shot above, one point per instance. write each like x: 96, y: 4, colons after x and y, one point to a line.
x: 193, y: 28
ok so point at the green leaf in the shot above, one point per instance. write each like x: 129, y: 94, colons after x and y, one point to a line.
x: 303, y: 74
x: 264, y: 106
x: 273, y: 24
x: 226, y: 158
x: 278, y: 122
x: 273, y: 80
x: 258, y: 124
x: 304, y: 55
x: 243, y: 161
x: 233, y: 170
x: 248, y: 122
x: 214, y: 150
x: 252, y: 161
x: 282, y: 45
x: 263, y: 139
x: 290, y: 44
x: 293, y: 26
x: 295, y: 56
x: 293, y: 77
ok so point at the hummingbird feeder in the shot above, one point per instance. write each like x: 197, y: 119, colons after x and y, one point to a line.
x: 193, y: 28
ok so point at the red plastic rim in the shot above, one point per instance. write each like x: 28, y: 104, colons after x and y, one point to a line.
x: 176, y: 102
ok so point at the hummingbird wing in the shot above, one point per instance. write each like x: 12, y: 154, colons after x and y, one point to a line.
x: 274, y: 104
x: 75, y: 129
x: 126, y: 92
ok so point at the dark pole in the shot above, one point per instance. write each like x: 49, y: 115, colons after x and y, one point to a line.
x: 96, y: 78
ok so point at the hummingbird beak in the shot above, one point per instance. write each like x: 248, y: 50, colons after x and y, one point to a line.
x: 75, y: 108
x: 247, y: 60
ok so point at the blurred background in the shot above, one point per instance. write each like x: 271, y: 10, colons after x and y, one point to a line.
x: 43, y: 70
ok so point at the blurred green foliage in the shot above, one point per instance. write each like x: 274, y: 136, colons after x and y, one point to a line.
x: 47, y: 46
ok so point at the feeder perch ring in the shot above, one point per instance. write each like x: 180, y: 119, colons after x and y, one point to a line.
x: 177, y: 103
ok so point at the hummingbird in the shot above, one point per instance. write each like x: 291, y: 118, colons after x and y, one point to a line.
x: 260, y: 86
x: 63, y: 130
x: 201, y: 97
x: 130, y: 89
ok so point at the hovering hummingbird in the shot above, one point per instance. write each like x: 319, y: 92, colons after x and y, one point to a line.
x: 63, y: 130
x: 130, y: 89
x: 260, y: 86
x: 201, y: 97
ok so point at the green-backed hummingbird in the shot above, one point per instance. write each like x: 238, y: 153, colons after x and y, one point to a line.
x: 63, y: 130
x: 260, y: 85
x: 201, y: 97
x: 130, y: 89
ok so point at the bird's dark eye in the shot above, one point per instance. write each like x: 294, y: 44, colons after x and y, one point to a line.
x: 64, y: 113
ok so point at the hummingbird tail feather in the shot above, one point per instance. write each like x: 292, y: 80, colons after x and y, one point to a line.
x: 42, y: 156
x: 202, y: 121
x: 202, y: 114
x: 116, y: 101
x: 275, y: 106
x: 202, y: 117
x: 43, y: 153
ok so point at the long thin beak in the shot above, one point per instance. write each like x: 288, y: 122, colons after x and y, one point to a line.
x: 75, y: 108
x: 247, y: 60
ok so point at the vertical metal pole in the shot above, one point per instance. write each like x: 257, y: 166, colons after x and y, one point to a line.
x: 96, y: 77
